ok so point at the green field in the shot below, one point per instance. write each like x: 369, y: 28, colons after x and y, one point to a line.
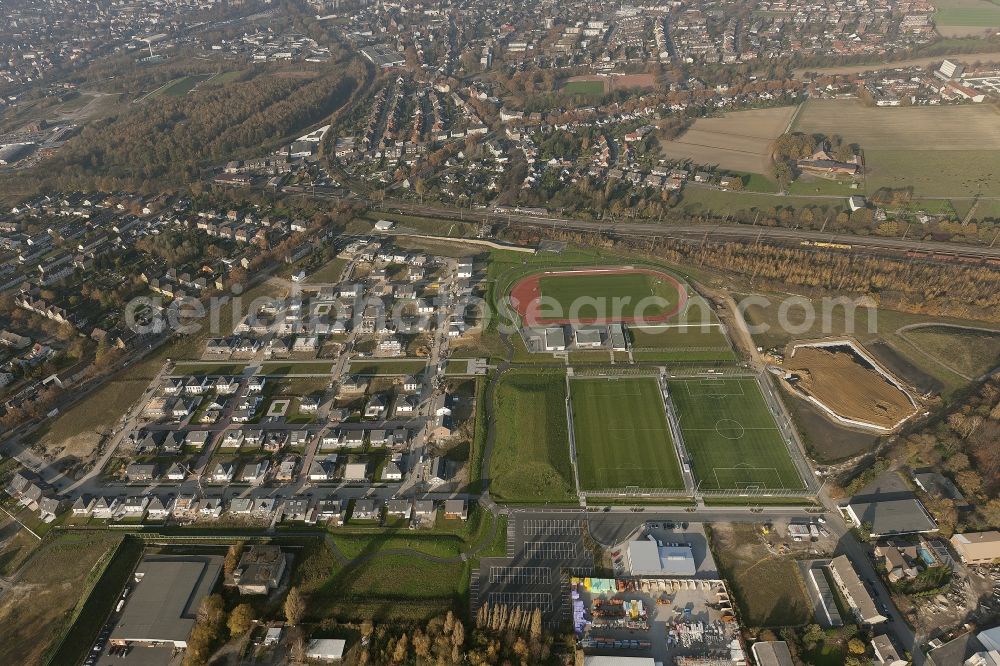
x: 184, y: 369
x: 967, y: 13
x: 971, y: 353
x: 328, y: 272
x: 621, y: 434
x: 589, y: 88
x: 530, y: 457
x: 184, y: 85
x: 284, y: 368
x: 731, y: 436
x: 698, y: 337
x: 808, y: 186
x: 721, y: 202
x: 935, y: 173
x: 615, y: 295
x: 388, y: 367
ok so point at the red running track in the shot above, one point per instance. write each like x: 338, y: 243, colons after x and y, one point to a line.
x: 525, y: 297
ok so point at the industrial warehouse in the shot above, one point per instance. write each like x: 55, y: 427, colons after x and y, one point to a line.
x: 163, y: 607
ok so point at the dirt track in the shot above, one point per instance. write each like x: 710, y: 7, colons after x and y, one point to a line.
x: 850, y: 389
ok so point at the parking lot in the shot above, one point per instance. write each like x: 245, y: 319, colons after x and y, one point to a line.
x: 541, y: 553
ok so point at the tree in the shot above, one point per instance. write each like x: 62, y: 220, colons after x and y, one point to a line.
x: 401, y: 651
x: 212, y: 610
x: 458, y: 634
x: 813, y: 635
x: 240, y: 620
x: 856, y: 646
x: 295, y: 606
x: 232, y: 558
x: 783, y: 174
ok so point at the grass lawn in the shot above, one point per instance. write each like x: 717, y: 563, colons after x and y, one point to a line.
x: 755, y: 182
x: 935, y: 173
x: 328, y: 272
x: 208, y: 369
x: 530, y: 457
x: 389, y: 585
x: 16, y: 549
x: 684, y: 356
x: 608, y: 293
x: 621, y: 434
x: 184, y: 85
x: 588, y: 88
x: 99, y: 603
x: 721, y: 202
x: 36, y: 611
x: 731, y: 436
x: 825, y: 654
x: 822, y: 187
x: 698, y: 337
x: 972, y: 353
x: 280, y: 369
x: 387, y: 367
x: 967, y: 13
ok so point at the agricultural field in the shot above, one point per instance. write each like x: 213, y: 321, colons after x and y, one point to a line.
x: 849, y: 387
x: 941, y: 151
x: 731, y: 436
x: 530, y: 456
x: 621, y: 434
x: 737, y: 141
x: 969, y: 352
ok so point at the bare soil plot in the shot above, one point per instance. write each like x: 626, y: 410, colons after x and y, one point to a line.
x: 964, y: 127
x: 745, y: 560
x: 738, y: 141
x: 853, y: 390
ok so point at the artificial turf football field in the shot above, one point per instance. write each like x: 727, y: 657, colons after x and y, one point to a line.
x: 610, y: 295
x: 621, y: 434
x: 731, y: 436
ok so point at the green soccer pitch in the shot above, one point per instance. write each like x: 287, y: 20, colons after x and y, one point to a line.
x: 731, y: 436
x: 621, y: 434
x: 606, y: 289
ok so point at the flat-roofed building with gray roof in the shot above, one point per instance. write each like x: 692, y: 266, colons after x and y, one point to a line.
x: 885, y: 517
x: 648, y: 558
x: 163, y: 607
x: 857, y: 596
x: 772, y: 653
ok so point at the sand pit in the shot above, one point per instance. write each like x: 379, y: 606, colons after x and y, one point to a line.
x: 848, y: 388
